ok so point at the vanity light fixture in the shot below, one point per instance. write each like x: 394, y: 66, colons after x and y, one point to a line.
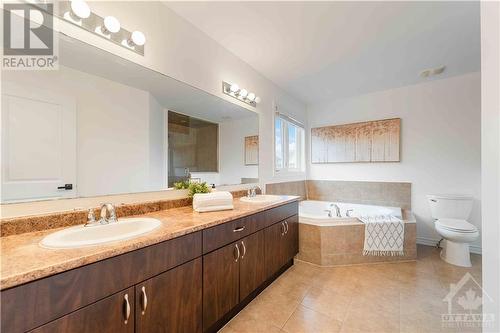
x: 233, y: 90
x: 79, y: 10
x: 136, y: 38
x: 110, y: 25
x: 243, y: 93
x: 79, y: 13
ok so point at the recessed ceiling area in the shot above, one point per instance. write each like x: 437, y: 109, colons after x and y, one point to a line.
x: 326, y: 50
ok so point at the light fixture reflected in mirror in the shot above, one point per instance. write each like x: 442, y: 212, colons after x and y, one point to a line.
x: 233, y: 90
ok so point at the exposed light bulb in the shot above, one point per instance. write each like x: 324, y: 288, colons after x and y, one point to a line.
x: 80, y: 9
x: 257, y: 100
x: 137, y: 38
x: 234, y: 88
x: 251, y: 97
x: 243, y: 93
x: 111, y: 25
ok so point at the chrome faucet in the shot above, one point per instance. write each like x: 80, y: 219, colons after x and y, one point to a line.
x: 90, y: 218
x: 252, y: 191
x: 107, y: 208
x: 337, y: 210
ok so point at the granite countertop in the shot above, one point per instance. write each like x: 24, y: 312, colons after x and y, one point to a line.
x: 23, y: 260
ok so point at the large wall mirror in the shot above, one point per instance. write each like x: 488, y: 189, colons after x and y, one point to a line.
x: 102, y: 125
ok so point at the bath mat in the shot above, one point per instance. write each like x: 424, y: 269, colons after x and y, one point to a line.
x: 384, y: 235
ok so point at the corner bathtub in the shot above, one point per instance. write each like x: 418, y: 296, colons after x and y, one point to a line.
x: 332, y: 241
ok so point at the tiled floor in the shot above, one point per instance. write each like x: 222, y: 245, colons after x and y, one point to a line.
x: 395, y: 297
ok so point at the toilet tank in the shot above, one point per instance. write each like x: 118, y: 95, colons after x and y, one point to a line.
x: 450, y: 206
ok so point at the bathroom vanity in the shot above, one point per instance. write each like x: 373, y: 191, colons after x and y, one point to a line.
x: 191, y: 275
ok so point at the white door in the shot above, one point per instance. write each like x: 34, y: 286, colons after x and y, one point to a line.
x: 38, y: 144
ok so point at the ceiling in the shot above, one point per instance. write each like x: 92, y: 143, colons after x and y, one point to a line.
x: 325, y: 50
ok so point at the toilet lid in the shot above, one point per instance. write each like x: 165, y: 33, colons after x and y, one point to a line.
x: 456, y: 225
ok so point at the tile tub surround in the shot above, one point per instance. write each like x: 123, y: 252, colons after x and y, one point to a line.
x: 390, y: 194
x: 23, y: 260
x: 24, y: 224
x: 288, y: 188
x: 343, y: 244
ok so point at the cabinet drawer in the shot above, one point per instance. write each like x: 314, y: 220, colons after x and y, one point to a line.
x: 39, y: 302
x: 280, y: 213
x: 218, y: 236
x: 114, y: 314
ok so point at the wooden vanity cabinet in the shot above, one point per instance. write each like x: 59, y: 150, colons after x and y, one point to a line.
x: 252, y: 268
x: 193, y: 283
x: 281, y: 244
x: 230, y: 274
x: 171, y: 301
x: 221, y: 271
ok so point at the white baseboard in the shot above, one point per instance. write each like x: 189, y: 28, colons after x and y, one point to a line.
x: 433, y: 241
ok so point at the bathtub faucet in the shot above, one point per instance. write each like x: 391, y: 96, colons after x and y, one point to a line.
x: 330, y: 211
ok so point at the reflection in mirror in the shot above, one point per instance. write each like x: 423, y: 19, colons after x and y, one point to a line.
x: 103, y: 125
x: 192, y: 147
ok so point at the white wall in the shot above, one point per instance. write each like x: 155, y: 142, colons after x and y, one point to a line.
x: 490, y: 130
x: 232, y: 150
x: 178, y: 49
x: 440, y: 138
x: 120, y: 133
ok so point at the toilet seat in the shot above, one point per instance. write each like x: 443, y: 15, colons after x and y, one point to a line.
x: 456, y: 225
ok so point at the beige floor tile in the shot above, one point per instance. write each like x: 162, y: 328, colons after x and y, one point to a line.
x: 305, y: 320
x: 371, y: 318
x: 335, y: 305
x: 271, y: 308
x: 292, y: 284
x: 245, y: 322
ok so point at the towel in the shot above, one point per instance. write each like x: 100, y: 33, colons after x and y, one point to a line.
x: 209, y: 202
x: 384, y: 235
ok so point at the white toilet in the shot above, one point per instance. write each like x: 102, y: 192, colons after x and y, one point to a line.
x: 450, y: 213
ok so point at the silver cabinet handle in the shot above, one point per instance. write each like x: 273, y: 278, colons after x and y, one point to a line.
x: 237, y: 252
x: 244, y: 249
x: 144, y: 299
x: 127, y: 308
x: 239, y: 229
x: 282, y: 229
x: 286, y: 227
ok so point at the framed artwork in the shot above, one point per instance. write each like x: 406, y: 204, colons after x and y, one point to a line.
x: 371, y: 141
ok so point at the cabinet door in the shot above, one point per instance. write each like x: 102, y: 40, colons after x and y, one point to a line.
x: 171, y: 301
x: 291, y: 237
x: 107, y: 315
x: 220, y: 283
x: 252, y: 269
x: 274, y: 248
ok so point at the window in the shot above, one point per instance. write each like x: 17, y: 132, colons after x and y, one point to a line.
x: 289, y: 140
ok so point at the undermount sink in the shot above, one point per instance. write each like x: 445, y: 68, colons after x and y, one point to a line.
x: 81, y: 236
x: 261, y: 198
